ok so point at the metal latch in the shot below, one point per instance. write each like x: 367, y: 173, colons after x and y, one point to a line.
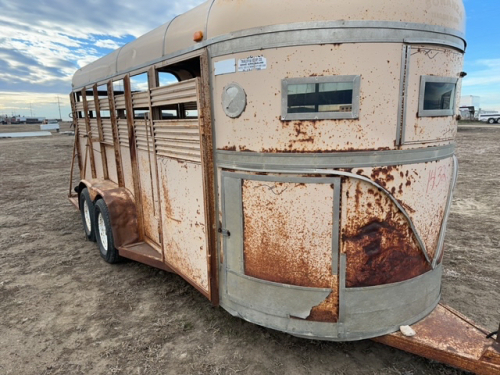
x: 224, y: 232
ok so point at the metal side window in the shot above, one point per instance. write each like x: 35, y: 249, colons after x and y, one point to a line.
x: 437, y: 96
x: 318, y: 98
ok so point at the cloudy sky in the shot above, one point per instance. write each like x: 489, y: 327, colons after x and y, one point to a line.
x: 43, y: 42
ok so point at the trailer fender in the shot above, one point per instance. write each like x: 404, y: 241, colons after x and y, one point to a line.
x: 121, y: 206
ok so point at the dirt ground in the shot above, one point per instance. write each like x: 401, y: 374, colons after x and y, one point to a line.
x: 63, y: 310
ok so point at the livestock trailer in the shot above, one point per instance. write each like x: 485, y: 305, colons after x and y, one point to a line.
x: 293, y: 161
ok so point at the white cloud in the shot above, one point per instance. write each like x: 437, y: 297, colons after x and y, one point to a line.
x: 108, y: 43
x: 42, y: 44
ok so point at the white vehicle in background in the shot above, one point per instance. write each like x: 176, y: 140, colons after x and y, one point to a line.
x: 490, y: 118
x: 50, y: 125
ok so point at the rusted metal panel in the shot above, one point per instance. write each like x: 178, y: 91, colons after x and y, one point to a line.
x: 207, y: 161
x: 260, y: 128
x: 422, y: 190
x: 288, y: 229
x: 376, y: 238
x: 432, y: 61
x: 122, y: 210
x: 183, y: 214
x: 446, y: 336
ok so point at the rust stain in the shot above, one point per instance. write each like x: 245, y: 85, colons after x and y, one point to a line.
x: 287, y: 238
x: 378, y: 241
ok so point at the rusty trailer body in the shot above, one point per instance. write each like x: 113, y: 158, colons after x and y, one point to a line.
x: 300, y: 171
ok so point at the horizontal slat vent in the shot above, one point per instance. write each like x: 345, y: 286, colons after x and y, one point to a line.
x: 120, y: 101
x: 104, y: 104
x: 91, y: 104
x: 79, y: 106
x: 107, y: 131
x: 179, y: 139
x: 123, y: 132
x: 182, y: 92
x: 140, y: 100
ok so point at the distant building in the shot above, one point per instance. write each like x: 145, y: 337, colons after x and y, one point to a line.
x: 470, y: 101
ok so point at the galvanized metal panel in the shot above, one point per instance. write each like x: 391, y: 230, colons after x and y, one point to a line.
x: 183, y: 219
x: 260, y: 128
x: 274, y: 298
x: 385, y: 308
x: 436, y: 61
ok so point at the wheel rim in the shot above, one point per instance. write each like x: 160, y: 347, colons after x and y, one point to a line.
x: 86, y: 215
x: 103, y: 234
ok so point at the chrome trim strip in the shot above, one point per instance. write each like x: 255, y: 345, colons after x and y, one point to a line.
x: 333, y: 31
x: 403, y: 94
x: 260, y: 161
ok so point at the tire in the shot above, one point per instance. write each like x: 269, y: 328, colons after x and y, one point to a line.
x: 88, y: 215
x: 491, y: 121
x: 104, y: 234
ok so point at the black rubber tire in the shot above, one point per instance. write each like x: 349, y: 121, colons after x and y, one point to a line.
x: 109, y: 253
x: 491, y: 121
x: 85, y: 198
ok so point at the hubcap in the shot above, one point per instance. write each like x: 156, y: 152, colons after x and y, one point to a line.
x: 86, y: 215
x: 103, y: 234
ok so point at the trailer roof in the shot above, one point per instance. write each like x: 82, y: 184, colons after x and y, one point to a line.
x: 219, y: 18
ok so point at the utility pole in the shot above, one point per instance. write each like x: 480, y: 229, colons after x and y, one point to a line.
x: 59, y: 105
x: 31, y: 112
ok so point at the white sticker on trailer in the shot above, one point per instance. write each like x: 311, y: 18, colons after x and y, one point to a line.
x: 225, y: 67
x: 252, y: 63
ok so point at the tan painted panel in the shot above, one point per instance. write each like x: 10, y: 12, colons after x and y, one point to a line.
x: 260, y: 128
x: 422, y: 189
x: 110, y: 157
x: 146, y: 48
x: 183, y: 218
x: 150, y: 205
x: 431, y: 61
x: 98, y: 160
x: 104, y: 67
x: 227, y: 16
x: 181, y: 31
x: 127, y: 169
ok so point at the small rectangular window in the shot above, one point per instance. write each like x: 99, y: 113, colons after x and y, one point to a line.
x: 437, y: 96
x: 312, y: 98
